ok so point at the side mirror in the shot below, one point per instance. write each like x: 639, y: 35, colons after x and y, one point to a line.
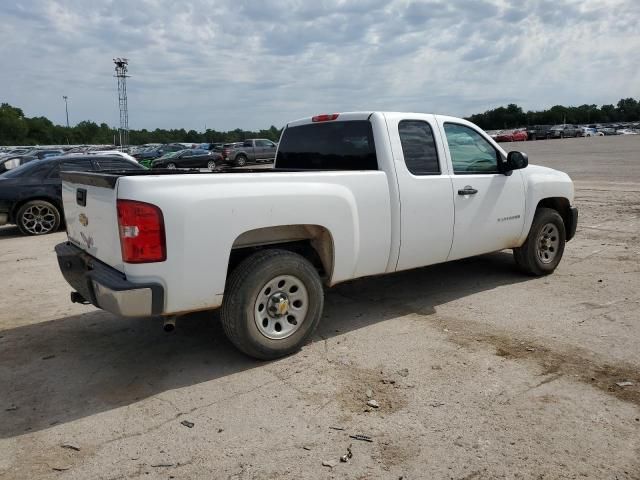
x: 516, y: 161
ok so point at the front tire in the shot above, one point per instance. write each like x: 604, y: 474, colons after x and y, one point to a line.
x: 542, y: 251
x: 211, y: 165
x: 38, y: 217
x: 171, y: 166
x: 272, y: 304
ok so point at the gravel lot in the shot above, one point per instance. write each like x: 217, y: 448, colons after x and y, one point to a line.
x: 479, y: 372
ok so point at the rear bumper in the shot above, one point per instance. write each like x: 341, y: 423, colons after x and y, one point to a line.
x: 572, y: 223
x: 105, y: 287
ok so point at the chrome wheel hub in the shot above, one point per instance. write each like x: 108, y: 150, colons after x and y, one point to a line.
x: 548, y: 243
x: 281, y: 307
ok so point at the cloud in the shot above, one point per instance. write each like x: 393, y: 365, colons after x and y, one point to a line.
x: 248, y: 64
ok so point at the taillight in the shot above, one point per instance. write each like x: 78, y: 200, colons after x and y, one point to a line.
x: 325, y: 117
x: 142, y: 238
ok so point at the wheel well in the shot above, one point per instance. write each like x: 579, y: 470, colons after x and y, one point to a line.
x: 18, y: 205
x: 313, y: 242
x: 560, y: 205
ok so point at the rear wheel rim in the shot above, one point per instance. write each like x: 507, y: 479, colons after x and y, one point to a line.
x: 39, y: 219
x: 281, y: 307
x: 548, y: 243
x: 171, y: 166
x: 211, y: 165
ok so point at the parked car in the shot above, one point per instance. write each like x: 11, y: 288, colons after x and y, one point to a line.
x: 590, y: 132
x: 607, y: 131
x: 626, y: 131
x: 15, y: 151
x: 189, y: 158
x: 562, y: 131
x: 511, y: 136
x: 113, y: 153
x: 31, y: 195
x: 10, y: 162
x: 262, y: 243
x: 252, y: 150
x: 152, y: 153
x: 538, y: 132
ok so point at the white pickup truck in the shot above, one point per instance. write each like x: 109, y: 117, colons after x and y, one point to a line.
x: 351, y: 195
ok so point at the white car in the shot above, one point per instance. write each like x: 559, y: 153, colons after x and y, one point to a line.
x: 351, y: 195
x: 590, y: 132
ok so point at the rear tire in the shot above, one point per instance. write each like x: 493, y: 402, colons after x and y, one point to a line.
x: 542, y: 251
x: 272, y: 304
x: 211, y: 165
x: 171, y: 166
x: 241, y: 161
x: 38, y: 217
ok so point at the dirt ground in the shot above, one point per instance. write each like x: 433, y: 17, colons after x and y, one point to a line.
x: 479, y: 372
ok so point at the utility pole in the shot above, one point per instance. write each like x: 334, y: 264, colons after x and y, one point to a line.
x: 66, y: 108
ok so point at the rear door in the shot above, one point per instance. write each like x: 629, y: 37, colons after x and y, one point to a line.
x: 426, y: 192
x: 249, y: 148
x: 265, y: 149
x: 489, y: 205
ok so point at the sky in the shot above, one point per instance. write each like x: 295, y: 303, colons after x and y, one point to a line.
x: 250, y: 64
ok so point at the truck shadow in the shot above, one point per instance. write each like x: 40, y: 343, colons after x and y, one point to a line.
x: 70, y: 368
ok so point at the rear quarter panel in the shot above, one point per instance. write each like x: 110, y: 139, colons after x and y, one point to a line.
x: 205, y: 214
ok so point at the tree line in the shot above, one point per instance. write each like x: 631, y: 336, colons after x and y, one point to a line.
x: 17, y: 129
x: 512, y: 116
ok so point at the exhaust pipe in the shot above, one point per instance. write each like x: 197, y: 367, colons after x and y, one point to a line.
x: 169, y: 324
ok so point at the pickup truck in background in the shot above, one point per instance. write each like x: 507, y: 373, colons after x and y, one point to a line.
x: 563, y: 131
x: 351, y: 195
x: 253, y: 150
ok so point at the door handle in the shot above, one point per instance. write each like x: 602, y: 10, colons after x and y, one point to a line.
x: 468, y: 190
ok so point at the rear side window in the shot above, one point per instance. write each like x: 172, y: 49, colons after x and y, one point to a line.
x: 34, y: 169
x: 328, y: 146
x: 79, y: 165
x: 419, y: 147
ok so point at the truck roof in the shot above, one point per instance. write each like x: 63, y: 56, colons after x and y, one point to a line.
x: 347, y: 116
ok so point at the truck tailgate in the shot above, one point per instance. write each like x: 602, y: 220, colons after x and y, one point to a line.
x: 91, y: 217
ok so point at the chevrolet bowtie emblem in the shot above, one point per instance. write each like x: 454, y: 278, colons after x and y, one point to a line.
x: 283, y: 306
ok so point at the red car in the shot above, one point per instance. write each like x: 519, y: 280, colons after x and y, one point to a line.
x: 511, y: 136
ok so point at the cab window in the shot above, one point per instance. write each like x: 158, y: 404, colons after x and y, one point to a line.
x: 470, y: 151
x: 418, y: 147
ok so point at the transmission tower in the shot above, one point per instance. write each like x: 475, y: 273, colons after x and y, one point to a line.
x: 121, y: 75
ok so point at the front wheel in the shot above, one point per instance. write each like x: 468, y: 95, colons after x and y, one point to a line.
x: 38, y: 217
x: 211, y: 165
x: 171, y: 166
x: 542, y: 251
x: 272, y: 304
x: 241, y: 160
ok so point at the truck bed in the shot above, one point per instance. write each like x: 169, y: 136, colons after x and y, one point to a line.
x: 205, y: 213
